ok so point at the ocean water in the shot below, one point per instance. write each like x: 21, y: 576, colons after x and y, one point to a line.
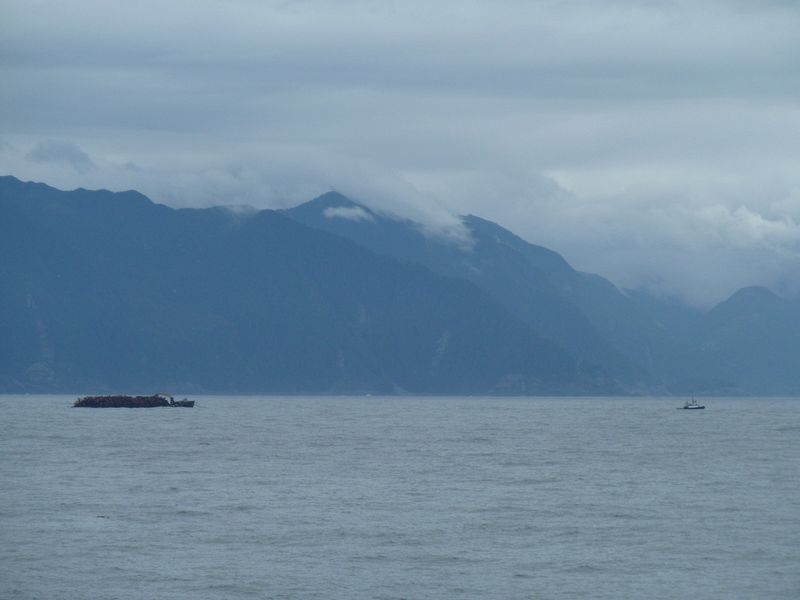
x: 354, y: 497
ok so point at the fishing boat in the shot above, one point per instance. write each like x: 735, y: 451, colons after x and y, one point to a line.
x: 691, y: 405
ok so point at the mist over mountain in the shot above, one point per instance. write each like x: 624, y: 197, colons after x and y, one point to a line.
x: 654, y: 143
x: 526, y: 279
x: 105, y: 291
x: 646, y: 342
x: 109, y: 291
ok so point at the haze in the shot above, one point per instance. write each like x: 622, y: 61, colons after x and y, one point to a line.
x: 656, y: 143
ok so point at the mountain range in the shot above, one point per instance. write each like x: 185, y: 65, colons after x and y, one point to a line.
x: 103, y: 291
x: 748, y: 344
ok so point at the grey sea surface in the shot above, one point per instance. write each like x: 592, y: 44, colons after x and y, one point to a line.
x: 393, y: 497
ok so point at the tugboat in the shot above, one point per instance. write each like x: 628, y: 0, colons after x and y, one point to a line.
x: 184, y: 402
x: 691, y: 405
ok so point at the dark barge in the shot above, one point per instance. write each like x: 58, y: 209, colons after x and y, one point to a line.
x: 153, y: 401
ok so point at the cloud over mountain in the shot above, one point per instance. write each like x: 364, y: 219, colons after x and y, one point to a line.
x: 58, y: 151
x: 591, y: 127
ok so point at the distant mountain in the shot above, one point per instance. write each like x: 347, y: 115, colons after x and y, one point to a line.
x: 109, y: 291
x: 582, y: 313
x: 103, y: 291
x: 749, y: 343
x: 746, y: 345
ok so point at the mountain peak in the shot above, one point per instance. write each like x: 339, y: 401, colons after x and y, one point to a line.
x: 755, y: 293
x: 332, y: 199
x: 749, y: 300
x: 9, y: 182
x: 333, y: 205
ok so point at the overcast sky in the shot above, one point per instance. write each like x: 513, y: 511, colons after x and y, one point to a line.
x: 654, y: 142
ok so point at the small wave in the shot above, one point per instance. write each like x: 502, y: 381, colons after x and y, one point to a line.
x: 187, y: 512
x: 582, y: 569
x: 480, y: 440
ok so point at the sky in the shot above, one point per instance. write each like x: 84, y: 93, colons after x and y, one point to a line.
x: 654, y: 142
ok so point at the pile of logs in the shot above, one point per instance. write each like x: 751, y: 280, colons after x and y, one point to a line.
x: 122, y: 401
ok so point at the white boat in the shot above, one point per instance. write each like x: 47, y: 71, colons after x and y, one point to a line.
x: 691, y: 405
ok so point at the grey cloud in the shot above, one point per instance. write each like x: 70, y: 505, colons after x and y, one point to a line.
x: 57, y: 151
x: 618, y: 133
x: 349, y: 213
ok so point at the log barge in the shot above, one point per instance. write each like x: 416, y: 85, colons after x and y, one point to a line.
x: 153, y: 401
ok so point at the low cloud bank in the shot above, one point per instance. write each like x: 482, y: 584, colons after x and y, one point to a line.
x: 655, y: 143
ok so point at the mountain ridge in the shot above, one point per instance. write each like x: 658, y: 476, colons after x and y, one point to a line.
x: 652, y: 345
x: 355, y: 301
x: 107, y: 292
